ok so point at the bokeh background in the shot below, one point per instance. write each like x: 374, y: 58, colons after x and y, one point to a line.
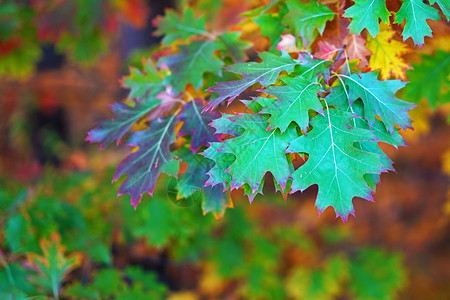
x: 65, y: 234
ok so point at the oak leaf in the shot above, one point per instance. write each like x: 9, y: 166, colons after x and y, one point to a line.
x: 387, y: 55
x: 334, y: 163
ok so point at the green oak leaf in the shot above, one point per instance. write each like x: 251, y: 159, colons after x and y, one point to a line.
x: 258, y: 103
x: 379, y: 99
x: 416, y: 14
x: 233, y: 46
x: 430, y: 80
x: 294, y: 101
x: 445, y: 7
x: 334, y: 163
x: 195, y: 176
x: 217, y: 174
x: 257, y: 152
x: 145, y: 83
x: 264, y: 73
x: 271, y: 27
x: 180, y: 26
x: 307, y: 19
x: 339, y: 98
x: 144, y: 165
x: 365, y: 14
x: 224, y: 125
x: 224, y: 160
x: 215, y: 201
x: 189, y: 65
x: 311, y: 67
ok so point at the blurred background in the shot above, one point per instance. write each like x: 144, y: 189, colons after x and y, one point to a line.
x: 65, y: 234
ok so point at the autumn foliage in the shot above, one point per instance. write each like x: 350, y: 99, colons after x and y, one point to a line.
x: 320, y: 94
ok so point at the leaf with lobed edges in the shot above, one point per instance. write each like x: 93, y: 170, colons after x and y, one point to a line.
x: 366, y: 14
x: 191, y: 63
x: 294, y: 101
x: 144, y: 165
x: 265, y: 73
x: 416, y: 14
x: 379, y: 99
x: 257, y: 152
x: 334, y: 164
x: 114, y: 130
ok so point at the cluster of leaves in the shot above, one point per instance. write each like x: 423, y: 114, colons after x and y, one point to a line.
x: 63, y: 222
x: 328, y: 109
x: 79, y: 28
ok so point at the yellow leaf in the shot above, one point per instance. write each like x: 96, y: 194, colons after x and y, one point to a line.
x: 183, y: 295
x: 211, y: 284
x: 387, y: 54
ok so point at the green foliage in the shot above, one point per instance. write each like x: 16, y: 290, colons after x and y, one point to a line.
x: 429, y: 80
x: 330, y: 146
x: 258, y: 151
x: 379, y: 99
x: 143, y: 84
x: 320, y: 283
x: 176, y: 26
x: 366, y: 14
x: 307, y: 20
x: 416, y: 14
x: 445, y: 7
x: 82, y: 208
x: 294, y: 100
x: 369, y: 266
x: 111, y: 283
x: 199, y: 54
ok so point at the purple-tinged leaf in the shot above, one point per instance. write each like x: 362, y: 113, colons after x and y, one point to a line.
x: 114, y: 130
x: 196, y: 124
x: 233, y: 46
x: 265, y: 73
x: 169, y: 101
x: 144, y: 165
